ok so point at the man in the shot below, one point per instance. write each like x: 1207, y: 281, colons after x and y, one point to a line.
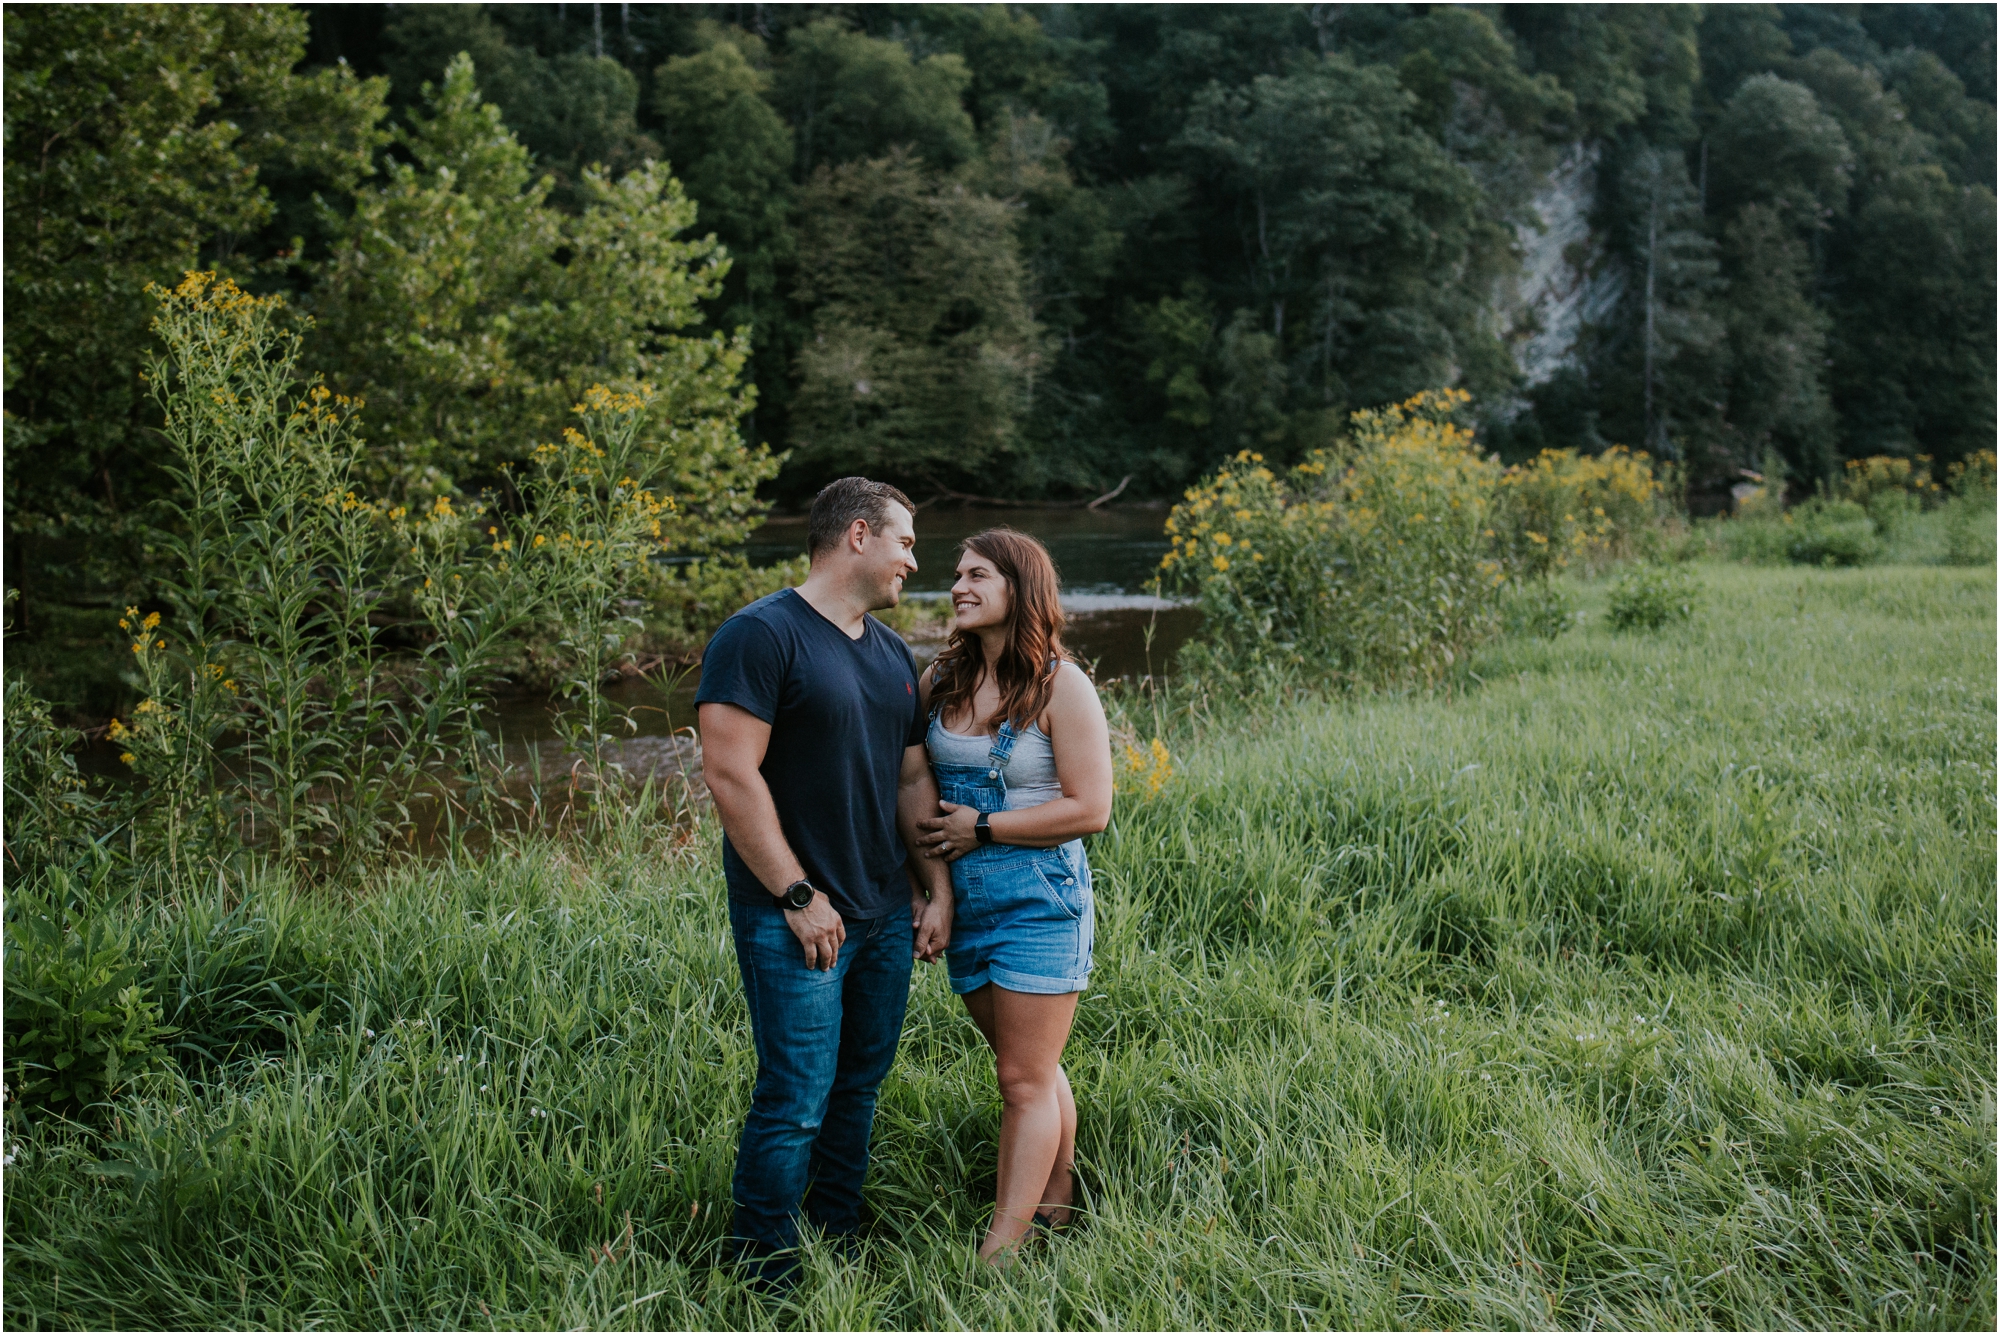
x: 812, y: 744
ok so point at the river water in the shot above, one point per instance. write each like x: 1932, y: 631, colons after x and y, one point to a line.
x: 1106, y: 559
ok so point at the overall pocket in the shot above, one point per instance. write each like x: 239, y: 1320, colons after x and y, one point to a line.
x: 1059, y: 878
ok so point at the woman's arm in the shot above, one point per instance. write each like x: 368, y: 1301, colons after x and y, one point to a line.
x: 1082, y: 744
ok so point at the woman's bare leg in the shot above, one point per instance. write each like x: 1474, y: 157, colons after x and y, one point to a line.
x: 1038, y: 1116
x: 1060, y: 1192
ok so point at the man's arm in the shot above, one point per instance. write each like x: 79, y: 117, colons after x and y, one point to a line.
x: 733, y: 742
x: 931, y: 903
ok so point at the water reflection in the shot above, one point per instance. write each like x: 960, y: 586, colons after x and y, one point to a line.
x: 1106, y: 560
x: 1102, y: 552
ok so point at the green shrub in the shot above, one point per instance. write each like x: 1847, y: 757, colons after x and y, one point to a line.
x: 1542, y: 608
x: 1826, y: 532
x: 1648, y: 597
x: 1969, y: 514
x: 80, y: 1022
x: 1969, y: 531
x: 50, y: 806
x: 1385, y: 561
x: 1371, y: 564
x: 1563, y: 506
x: 685, y: 603
x: 272, y: 701
x: 1974, y: 475
x: 1761, y: 539
x: 1888, y: 482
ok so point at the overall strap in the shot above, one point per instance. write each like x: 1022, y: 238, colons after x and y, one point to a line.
x: 1003, y: 745
x: 1003, y: 741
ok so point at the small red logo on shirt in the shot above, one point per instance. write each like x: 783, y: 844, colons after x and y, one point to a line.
x: 908, y: 689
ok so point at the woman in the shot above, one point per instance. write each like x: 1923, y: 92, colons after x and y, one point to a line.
x: 1023, y: 761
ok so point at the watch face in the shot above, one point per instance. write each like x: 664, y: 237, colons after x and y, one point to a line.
x: 799, y: 895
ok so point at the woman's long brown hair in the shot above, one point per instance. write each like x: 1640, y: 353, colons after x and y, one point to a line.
x: 1034, y: 651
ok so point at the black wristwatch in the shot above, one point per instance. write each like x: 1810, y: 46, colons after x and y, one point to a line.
x: 981, y: 830
x: 798, y: 895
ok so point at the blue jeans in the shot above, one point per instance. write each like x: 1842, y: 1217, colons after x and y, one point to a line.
x: 824, y: 1039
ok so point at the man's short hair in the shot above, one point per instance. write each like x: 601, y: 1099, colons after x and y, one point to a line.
x: 845, y: 500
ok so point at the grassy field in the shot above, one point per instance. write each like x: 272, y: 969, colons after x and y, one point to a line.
x: 1648, y: 981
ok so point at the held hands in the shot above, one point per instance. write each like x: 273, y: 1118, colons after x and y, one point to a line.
x: 932, y: 920
x: 951, y: 835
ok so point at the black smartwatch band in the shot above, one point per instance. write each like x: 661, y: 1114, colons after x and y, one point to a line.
x: 798, y: 895
x: 981, y: 830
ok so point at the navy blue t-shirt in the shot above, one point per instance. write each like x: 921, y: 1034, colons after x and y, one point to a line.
x: 841, y: 713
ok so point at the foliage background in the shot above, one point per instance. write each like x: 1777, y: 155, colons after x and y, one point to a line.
x: 1017, y: 250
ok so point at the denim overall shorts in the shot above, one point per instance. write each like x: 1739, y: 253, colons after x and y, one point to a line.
x: 1024, y: 918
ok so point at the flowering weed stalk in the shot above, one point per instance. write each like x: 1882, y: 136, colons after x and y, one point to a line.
x: 273, y: 709
x: 593, y: 520
x: 272, y: 591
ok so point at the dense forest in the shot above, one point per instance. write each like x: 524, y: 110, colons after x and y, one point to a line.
x: 1013, y: 250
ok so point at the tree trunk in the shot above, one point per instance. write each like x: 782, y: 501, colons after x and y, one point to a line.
x: 1652, y: 267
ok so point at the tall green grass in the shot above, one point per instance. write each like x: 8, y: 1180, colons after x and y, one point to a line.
x: 1646, y: 981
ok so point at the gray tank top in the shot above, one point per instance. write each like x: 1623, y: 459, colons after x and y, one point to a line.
x: 1031, y: 772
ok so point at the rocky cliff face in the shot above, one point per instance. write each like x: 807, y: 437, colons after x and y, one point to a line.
x: 1566, y: 280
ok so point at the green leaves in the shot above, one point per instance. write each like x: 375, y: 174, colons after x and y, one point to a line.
x: 150, y: 128
x: 1650, y: 596
x: 1343, y: 204
x: 80, y: 1024
x: 471, y: 313
x: 1775, y: 145
x: 51, y: 807
x: 922, y: 346
x: 853, y: 96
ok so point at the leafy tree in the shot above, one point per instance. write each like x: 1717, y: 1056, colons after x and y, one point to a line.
x: 1068, y: 243
x: 1873, y: 118
x: 734, y: 154
x: 1067, y: 238
x: 1736, y: 42
x: 851, y: 96
x: 1910, y: 278
x: 471, y: 315
x: 1626, y: 65
x: 1179, y: 331
x: 1777, y: 344
x: 1665, y: 357
x: 137, y: 140
x: 733, y: 151
x: 1343, y: 205
x: 1774, y: 145
x: 1960, y: 128
x: 571, y: 110
x: 1224, y: 383
x: 1913, y: 315
x: 922, y: 349
x: 1462, y: 67
x: 1959, y: 35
